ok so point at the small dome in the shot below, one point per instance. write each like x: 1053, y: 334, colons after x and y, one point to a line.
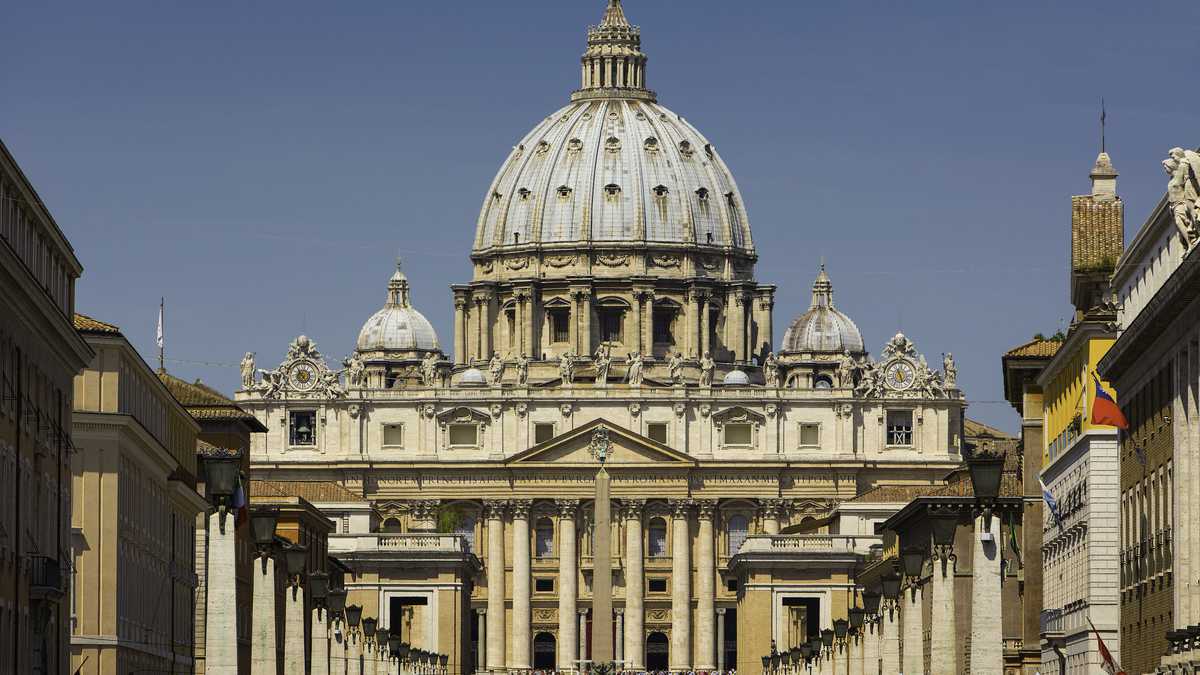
x: 398, y: 326
x: 822, y: 329
x: 472, y: 377
x: 736, y: 378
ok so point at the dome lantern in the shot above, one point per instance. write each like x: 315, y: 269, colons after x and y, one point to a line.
x: 614, y: 65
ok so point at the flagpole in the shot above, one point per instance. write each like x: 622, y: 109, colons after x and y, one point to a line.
x: 162, y: 303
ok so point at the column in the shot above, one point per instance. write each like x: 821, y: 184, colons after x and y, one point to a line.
x: 913, y: 648
x: 854, y: 654
x: 494, y: 513
x: 568, y: 578
x: 460, y: 329
x: 706, y: 587
x: 770, y: 514
x: 987, y: 636
x: 647, y: 318
x: 353, y: 652
x: 293, y: 627
x: 942, y: 635
x: 681, y: 600
x: 582, y: 634
x: 338, y: 660
x: 573, y: 324
x: 704, y: 330
x: 721, y: 639
x: 481, y: 640
x: 889, y: 634
x: 262, y: 617
x: 320, y: 642
x: 521, y: 632
x: 485, y: 326
x: 635, y: 585
x: 692, y: 337
x: 370, y: 661
x: 619, y: 645
x: 737, y: 337
x: 585, y: 318
x: 220, y: 635
x: 870, y: 648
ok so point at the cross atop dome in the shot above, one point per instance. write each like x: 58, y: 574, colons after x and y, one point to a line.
x: 614, y: 65
x: 614, y: 15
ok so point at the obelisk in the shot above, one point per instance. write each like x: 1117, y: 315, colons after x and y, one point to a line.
x: 602, y: 611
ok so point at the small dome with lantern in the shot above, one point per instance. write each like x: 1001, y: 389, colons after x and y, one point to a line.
x: 398, y: 329
x: 822, y: 331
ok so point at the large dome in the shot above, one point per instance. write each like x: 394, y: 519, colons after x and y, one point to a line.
x: 398, y: 327
x: 822, y: 329
x: 613, y: 166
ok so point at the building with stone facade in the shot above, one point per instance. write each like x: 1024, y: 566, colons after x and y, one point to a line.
x: 133, y: 516
x: 40, y: 352
x: 1155, y: 365
x: 614, y: 462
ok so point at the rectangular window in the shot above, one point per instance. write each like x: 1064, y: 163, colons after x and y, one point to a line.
x: 663, y: 319
x: 731, y: 585
x: 657, y: 431
x: 302, y: 427
x: 810, y: 435
x: 544, y: 585
x: 657, y: 585
x: 393, y: 435
x: 542, y: 433
x: 510, y: 316
x: 899, y: 427
x: 738, y: 434
x: 560, y: 325
x: 464, y: 435
x: 611, y: 319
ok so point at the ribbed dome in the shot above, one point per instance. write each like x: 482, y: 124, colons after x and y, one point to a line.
x: 398, y: 326
x: 613, y: 166
x: 822, y: 329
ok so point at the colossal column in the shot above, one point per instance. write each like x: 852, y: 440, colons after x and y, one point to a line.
x: 568, y: 571
x: 494, y: 512
x: 706, y: 587
x: 681, y: 572
x: 521, y: 633
x: 635, y: 586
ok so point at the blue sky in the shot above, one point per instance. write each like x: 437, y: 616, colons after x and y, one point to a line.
x: 261, y: 164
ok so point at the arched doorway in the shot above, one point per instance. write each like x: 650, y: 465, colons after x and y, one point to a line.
x: 544, y: 653
x: 658, y: 652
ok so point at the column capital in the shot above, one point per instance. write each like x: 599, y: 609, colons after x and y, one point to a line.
x: 423, y: 509
x: 631, y: 509
x: 619, y: 611
x: 706, y: 508
x: 681, y: 509
x: 520, y: 508
x: 567, y: 508
x: 582, y: 611
x: 720, y: 611
x: 493, y: 509
x: 481, y: 611
x: 773, y: 508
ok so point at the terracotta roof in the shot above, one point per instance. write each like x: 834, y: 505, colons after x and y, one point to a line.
x: 975, y: 429
x: 901, y: 494
x: 1036, y: 348
x: 310, y: 490
x: 86, y: 324
x: 205, y: 449
x: 205, y: 403
x: 960, y: 486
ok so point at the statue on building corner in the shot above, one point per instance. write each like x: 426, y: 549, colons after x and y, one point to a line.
x: 675, y: 369
x: 847, y: 367
x: 707, y: 367
x: 522, y: 370
x: 496, y: 367
x: 771, y: 371
x: 354, y: 370
x: 429, y: 370
x: 566, y: 368
x: 1183, y: 192
x: 950, y: 379
x: 635, y: 374
x: 603, y: 361
x: 248, y: 371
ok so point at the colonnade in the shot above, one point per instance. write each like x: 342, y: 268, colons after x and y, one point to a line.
x: 629, y: 621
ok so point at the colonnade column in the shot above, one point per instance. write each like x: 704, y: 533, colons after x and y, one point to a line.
x: 262, y: 618
x: 721, y: 639
x: 582, y: 634
x: 460, y: 328
x: 220, y: 635
x: 914, y: 635
x: 568, y: 636
x: 854, y: 654
x: 704, y: 329
x: 771, y: 510
x: 889, y: 634
x: 631, y: 513
x: 942, y: 634
x: 293, y: 624
x: 320, y: 642
x: 987, y: 657
x: 706, y: 586
x: 681, y: 572
x: 481, y: 640
x: 870, y: 648
x: 494, y: 513
x: 521, y: 633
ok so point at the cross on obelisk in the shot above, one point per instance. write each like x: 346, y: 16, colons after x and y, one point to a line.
x: 602, y: 612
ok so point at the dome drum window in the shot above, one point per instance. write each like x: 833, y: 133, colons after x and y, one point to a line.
x: 702, y: 195
x: 564, y: 192
x: 685, y: 149
x: 612, y: 191
x: 651, y: 144
x: 612, y: 145
x: 661, y: 191
x: 523, y: 194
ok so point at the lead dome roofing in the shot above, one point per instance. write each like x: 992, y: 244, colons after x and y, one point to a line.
x: 822, y: 328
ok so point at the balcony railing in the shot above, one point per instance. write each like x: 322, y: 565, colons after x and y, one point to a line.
x: 46, y: 578
x: 777, y: 543
x: 412, y: 541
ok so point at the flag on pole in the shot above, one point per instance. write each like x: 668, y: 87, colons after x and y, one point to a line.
x: 1105, y: 410
x: 1107, y: 662
x: 239, y: 504
x: 158, y: 335
x: 1052, y: 504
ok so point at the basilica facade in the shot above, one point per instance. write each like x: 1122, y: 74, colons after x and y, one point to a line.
x: 612, y: 461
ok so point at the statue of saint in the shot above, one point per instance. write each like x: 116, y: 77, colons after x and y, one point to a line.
x: 354, y: 370
x: 847, y: 366
x: 771, y: 371
x: 675, y: 368
x: 566, y: 368
x: 1183, y: 192
x: 707, y: 366
x: 496, y: 366
x: 333, y: 384
x: 950, y: 370
x: 523, y: 370
x: 248, y: 370
x: 635, y: 374
x: 603, y: 362
x: 429, y: 369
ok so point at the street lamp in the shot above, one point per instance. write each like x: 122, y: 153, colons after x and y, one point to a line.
x: 262, y: 527
x: 912, y: 561
x: 297, y: 560
x: 943, y: 522
x: 318, y: 587
x: 891, y: 588
x: 840, y: 627
x: 858, y: 616
x: 444, y: 659
x: 220, y: 482
x: 827, y: 637
x: 336, y: 602
x: 368, y: 627
x: 871, y: 602
x: 986, y: 472
x: 353, y: 615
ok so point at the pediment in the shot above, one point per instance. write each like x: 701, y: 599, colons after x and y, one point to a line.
x: 624, y: 448
x: 738, y: 414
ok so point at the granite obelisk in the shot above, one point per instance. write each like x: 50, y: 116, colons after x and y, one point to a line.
x: 602, y: 612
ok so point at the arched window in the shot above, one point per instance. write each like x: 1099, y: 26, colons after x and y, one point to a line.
x: 823, y: 382
x: 545, y: 538
x: 466, y: 529
x: 738, y: 527
x: 390, y: 525
x: 658, y: 538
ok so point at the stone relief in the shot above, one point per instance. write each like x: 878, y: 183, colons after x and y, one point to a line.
x: 302, y: 374
x: 665, y: 261
x: 902, y: 373
x: 518, y: 263
x: 560, y: 260
x: 612, y: 259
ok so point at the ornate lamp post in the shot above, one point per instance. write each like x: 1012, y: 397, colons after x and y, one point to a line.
x: 220, y: 637
x: 370, y: 655
x: 986, y: 473
x: 263, y: 640
x: 318, y: 590
x: 943, y: 639
x: 336, y: 602
x: 296, y: 557
x: 393, y: 647
x: 353, y: 644
x: 444, y: 659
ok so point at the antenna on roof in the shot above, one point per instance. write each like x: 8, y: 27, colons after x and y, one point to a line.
x: 1103, y: 119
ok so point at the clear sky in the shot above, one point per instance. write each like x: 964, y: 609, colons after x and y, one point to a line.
x: 261, y: 164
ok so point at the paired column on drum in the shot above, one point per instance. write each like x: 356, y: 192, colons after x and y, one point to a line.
x: 635, y: 585
x: 568, y: 581
x: 681, y: 569
x: 494, y: 514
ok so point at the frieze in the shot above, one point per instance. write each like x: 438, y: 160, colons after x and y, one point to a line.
x: 612, y: 259
x: 517, y: 263
x: 560, y: 260
x: 665, y: 261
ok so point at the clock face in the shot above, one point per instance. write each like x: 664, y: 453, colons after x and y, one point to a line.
x: 303, y: 376
x: 900, y: 375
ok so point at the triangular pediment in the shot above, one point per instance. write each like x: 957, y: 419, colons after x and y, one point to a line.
x: 624, y: 448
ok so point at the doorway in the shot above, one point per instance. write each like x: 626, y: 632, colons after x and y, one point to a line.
x: 658, y: 652
x: 544, y: 652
